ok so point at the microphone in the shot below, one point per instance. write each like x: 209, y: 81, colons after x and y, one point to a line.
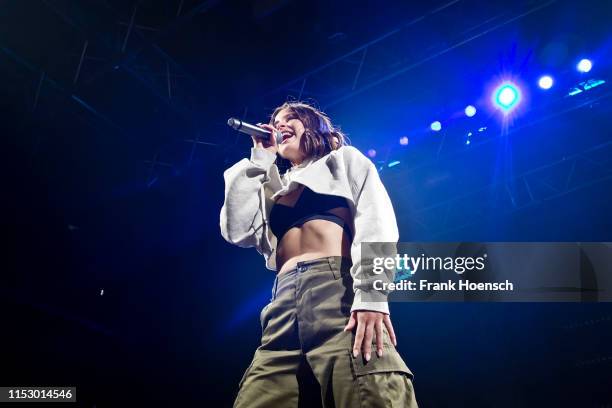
x: 253, y: 130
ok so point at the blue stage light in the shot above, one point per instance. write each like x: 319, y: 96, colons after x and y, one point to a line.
x: 545, y: 82
x: 436, y: 126
x: 584, y: 65
x: 585, y: 86
x: 403, y: 140
x: 507, y: 96
x: 371, y: 153
x: 393, y: 163
x: 592, y: 83
x: 470, y: 111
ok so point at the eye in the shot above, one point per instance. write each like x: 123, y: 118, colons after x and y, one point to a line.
x: 288, y: 118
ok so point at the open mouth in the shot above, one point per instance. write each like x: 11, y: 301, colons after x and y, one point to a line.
x: 286, y: 136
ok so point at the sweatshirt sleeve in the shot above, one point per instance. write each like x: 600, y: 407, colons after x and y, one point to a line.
x: 241, y: 218
x: 374, y: 223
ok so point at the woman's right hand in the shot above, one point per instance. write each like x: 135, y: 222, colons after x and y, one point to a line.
x: 269, y: 144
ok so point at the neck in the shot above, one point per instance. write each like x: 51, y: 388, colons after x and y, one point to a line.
x: 297, y: 162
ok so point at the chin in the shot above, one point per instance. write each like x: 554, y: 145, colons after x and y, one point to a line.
x: 286, y: 152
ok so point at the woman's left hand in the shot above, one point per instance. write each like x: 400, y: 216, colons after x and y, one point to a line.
x: 368, y: 323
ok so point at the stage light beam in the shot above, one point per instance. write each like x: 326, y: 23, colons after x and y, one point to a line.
x: 436, y: 126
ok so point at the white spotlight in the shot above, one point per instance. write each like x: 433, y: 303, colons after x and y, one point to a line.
x: 584, y: 65
x: 470, y: 111
x: 545, y: 82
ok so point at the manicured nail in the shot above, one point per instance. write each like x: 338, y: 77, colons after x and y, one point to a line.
x: 367, y: 356
x: 379, y: 352
x: 355, y: 353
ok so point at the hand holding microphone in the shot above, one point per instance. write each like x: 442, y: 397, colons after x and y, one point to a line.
x: 271, y: 143
x: 264, y: 136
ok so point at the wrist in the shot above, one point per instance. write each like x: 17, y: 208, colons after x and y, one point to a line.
x: 369, y: 306
x: 262, y: 156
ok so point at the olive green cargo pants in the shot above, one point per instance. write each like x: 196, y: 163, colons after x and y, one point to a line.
x: 305, y: 358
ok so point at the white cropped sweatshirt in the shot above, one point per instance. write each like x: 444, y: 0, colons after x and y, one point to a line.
x: 251, y: 186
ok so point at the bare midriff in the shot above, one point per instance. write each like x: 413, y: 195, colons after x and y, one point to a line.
x: 313, y: 239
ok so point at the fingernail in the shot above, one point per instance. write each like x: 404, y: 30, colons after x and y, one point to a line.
x: 355, y: 353
x: 379, y: 352
x: 367, y: 356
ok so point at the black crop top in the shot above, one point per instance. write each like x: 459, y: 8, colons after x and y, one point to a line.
x: 309, y: 206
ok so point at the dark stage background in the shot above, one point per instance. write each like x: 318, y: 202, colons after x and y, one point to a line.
x: 115, y: 278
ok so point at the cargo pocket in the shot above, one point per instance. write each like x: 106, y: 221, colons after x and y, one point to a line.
x: 389, y: 362
x: 383, y: 381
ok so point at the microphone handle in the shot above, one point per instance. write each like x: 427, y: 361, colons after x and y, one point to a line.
x: 253, y: 130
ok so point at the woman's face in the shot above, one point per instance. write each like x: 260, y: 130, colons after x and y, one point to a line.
x: 292, y: 129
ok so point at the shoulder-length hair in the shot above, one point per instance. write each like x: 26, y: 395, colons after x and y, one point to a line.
x: 320, y: 135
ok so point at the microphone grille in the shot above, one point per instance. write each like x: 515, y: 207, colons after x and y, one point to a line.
x: 234, y: 123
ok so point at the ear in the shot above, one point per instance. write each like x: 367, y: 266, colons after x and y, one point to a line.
x: 335, y: 142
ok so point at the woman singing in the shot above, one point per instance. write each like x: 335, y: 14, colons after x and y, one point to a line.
x: 325, y: 341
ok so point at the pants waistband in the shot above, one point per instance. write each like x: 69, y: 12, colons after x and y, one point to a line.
x: 286, y: 279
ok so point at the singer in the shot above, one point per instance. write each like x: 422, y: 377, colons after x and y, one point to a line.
x: 306, y: 205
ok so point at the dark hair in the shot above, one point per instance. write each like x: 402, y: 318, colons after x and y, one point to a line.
x: 320, y: 136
